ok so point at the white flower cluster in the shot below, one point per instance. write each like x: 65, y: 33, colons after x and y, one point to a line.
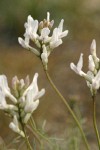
x: 25, y: 100
x: 39, y: 33
x: 93, y: 75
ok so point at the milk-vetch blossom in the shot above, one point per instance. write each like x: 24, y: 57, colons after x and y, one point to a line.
x: 40, y: 34
x: 14, y: 125
x: 25, y: 99
x: 92, y: 77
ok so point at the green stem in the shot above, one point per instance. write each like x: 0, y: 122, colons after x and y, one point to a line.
x: 34, y: 124
x: 23, y: 128
x: 26, y: 138
x: 27, y: 141
x: 35, y: 129
x: 34, y: 134
x: 95, y: 122
x: 70, y: 110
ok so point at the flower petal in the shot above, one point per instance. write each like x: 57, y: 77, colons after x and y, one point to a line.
x: 6, y: 89
x: 93, y: 47
x: 80, y: 63
x: 91, y: 63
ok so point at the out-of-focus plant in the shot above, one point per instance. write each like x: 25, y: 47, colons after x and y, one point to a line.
x: 92, y: 78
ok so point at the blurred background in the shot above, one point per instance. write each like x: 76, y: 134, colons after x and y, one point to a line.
x: 82, y: 19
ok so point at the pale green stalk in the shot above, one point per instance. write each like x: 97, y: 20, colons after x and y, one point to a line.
x: 70, y: 110
x: 27, y: 142
x: 23, y: 129
x: 34, y: 134
x: 40, y: 134
x: 95, y: 122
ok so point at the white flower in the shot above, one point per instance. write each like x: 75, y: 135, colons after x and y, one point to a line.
x: 57, y: 35
x: 44, y: 35
x: 55, y: 41
x: 15, y: 126
x: 4, y: 105
x: 78, y: 67
x: 32, y: 95
x: 31, y: 28
x: 60, y: 27
x: 30, y: 99
x: 24, y: 43
x: 5, y: 89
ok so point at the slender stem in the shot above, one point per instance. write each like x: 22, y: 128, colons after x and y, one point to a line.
x: 34, y: 124
x: 70, y: 110
x: 23, y: 128
x: 34, y: 134
x: 95, y: 122
x: 41, y: 135
x: 27, y: 141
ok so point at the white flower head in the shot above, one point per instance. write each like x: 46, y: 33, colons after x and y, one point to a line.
x: 40, y: 34
x: 93, y: 75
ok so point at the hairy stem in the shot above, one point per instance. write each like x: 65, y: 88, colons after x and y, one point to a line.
x: 95, y: 122
x: 69, y: 109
